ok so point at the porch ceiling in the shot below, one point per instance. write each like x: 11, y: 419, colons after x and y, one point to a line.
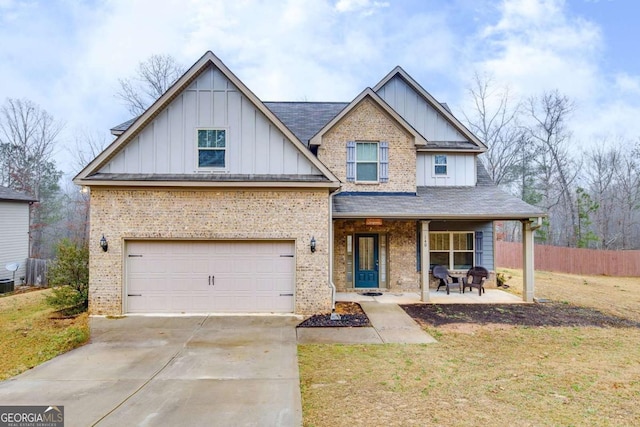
x: 481, y: 202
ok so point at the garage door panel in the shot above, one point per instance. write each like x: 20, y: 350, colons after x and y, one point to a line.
x: 283, y: 265
x: 221, y: 265
x: 222, y: 276
x: 264, y: 285
x: 284, y: 284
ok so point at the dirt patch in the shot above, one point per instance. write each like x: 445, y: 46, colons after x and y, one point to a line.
x: 351, y: 315
x: 505, y: 315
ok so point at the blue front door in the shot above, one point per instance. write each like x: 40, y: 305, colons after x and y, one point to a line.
x: 366, y: 261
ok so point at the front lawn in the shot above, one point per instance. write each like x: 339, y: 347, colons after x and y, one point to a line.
x: 31, y: 332
x: 491, y: 373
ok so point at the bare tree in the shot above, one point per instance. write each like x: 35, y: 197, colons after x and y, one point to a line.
x: 74, y: 223
x: 628, y: 196
x: 27, y: 139
x: 153, y: 77
x: 599, y: 174
x: 494, y: 119
x: 556, y: 169
x: 87, y: 146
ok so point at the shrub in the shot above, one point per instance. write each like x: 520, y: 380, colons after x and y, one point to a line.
x: 69, y: 274
x: 501, y: 279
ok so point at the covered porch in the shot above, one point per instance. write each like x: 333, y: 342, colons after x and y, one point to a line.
x: 396, y: 231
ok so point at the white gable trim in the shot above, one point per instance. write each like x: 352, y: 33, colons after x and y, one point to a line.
x: 181, y: 84
x: 368, y: 92
x: 433, y: 102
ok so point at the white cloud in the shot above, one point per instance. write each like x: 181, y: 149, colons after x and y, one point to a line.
x: 628, y: 84
x: 536, y: 46
x: 68, y: 56
x: 366, y: 7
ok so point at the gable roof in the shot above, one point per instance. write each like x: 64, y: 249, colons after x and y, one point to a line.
x: 9, y: 195
x: 442, y: 109
x: 161, y: 103
x: 305, y: 119
x: 369, y: 93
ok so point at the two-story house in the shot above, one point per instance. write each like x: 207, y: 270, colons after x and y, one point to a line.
x: 214, y: 201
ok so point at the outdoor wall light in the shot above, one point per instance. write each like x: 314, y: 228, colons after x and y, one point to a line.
x: 313, y: 244
x: 103, y: 244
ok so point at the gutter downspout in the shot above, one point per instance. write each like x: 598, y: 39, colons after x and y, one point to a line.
x: 334, y: 315
x: 538, y: 224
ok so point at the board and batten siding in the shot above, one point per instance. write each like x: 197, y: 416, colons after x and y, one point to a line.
x: 417, y: 112
x: 461, y: 170
x: 167, y: 145
x: 14, y: 237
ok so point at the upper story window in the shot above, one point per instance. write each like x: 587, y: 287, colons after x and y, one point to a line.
x: 367, y: 161
x: 212, y: 148
x: 440, y: 165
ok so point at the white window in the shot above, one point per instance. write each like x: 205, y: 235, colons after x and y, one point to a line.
x: 453, y: 250
x: 212, y: 149
x: 440, y: 165
x: 367, y: 161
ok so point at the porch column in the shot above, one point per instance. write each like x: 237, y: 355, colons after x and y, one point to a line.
x: 528, y: 281
x: 425, y: 261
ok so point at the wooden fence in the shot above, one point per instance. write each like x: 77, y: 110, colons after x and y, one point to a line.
x: 571, y: 260
x: 36, y: 274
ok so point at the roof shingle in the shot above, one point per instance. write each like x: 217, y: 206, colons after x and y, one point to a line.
x: 8, y: 194
x: 305, y: 119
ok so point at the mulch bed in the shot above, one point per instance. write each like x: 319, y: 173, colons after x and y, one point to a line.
x: 351, y: 315
x: 545, y: 314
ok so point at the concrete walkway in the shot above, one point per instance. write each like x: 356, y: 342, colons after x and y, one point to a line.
x: 390, y: 324
x: 171, y: 371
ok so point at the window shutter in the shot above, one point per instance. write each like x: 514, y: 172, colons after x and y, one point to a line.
x: 384, y: 161
x: 479, y: 248
x: 351, y: 161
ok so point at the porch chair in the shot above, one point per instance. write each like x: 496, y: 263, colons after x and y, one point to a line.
x: 478, y: 276
x: 446, y: 279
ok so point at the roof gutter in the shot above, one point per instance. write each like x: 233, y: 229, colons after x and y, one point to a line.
x: 506, y: 216
x: 207, y: 184
x: 537, y: 225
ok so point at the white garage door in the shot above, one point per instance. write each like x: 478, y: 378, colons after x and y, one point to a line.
x: 207, y: 277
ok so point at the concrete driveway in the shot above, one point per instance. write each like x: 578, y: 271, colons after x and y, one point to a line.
x: 156, y: 371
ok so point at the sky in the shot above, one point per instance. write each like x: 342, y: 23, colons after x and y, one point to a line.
x: 67, y: 56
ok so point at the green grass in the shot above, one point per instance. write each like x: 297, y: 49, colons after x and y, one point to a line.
x: 32, y: 333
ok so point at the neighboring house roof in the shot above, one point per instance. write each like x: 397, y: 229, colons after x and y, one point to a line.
x: 369, y: 93
x: 484, y: 201
x: 305, y: 119
x: 441, y: 108
x: 9, y: 195
x: 181, y: 84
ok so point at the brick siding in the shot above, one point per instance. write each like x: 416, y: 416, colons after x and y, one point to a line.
x: 367, y: 122
x: 401, y: 253
x: 178, y: 214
